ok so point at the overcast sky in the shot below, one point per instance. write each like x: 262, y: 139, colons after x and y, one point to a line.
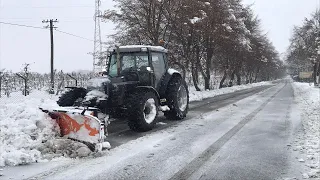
x: 19, y: 45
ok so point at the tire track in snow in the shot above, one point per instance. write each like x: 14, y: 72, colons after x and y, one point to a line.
x: 196, y: 163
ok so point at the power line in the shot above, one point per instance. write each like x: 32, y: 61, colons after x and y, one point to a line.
x: 31, y: 20
x: 74, y: 35
x: 21, y: 25
x: 48, y: 7
x: 28, y: 26
x: 23, y: 18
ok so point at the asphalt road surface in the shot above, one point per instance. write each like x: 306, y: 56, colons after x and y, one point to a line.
x: 241, y: 135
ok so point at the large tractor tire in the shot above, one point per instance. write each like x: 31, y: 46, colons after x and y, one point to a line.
x: 143, y: 111
x: 177, y: 99
x: 70, y: 97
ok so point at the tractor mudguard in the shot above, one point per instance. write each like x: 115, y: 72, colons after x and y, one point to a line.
x: 149, y: 88
x: 165, y: 81
x: 80, y: 125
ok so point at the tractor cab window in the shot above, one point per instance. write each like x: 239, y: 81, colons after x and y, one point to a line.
x: 113, y: 66
x: 135, y: 60
x: 128, y: 60
x: 158, y: 65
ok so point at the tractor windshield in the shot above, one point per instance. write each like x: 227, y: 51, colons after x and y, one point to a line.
x: 128, y: 60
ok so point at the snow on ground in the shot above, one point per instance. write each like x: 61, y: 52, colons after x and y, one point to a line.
x: 166, y: 150
x: 28, y: 135
x: 23, y: 127
x: 56, y: 148
x: 307, y: 143
x: 200, y: 95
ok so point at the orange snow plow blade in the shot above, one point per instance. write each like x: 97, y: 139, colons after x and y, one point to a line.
x: 79, y: 126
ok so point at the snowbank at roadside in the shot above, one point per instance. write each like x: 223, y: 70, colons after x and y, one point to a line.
x: 308, y: 143
x: 28, y: 135
x: 23, y: 127
x: 200, y: 95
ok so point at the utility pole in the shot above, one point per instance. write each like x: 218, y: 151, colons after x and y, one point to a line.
x: 51, y: 27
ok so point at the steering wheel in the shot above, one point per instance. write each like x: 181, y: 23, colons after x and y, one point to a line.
x: 130, y: 74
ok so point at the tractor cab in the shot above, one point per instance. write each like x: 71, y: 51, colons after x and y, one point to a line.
x: 144, y: 65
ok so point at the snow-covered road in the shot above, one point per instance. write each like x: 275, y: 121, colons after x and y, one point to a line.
x: 240, y: 136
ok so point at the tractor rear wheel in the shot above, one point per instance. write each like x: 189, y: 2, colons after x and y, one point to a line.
x: 70, y: 97
x: 177, y: 99
x: 143, y: 111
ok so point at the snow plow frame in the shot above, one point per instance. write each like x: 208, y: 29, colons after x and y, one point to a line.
x: 70, y: 126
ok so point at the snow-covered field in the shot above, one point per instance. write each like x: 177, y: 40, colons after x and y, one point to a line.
x: 29, y: 135
x: 307, y: 143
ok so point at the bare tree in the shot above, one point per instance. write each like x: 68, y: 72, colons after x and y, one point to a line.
x: 304, y: 50
x: 203, y: 36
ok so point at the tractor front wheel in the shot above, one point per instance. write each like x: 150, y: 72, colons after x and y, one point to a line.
x: 70, y: 97
x: 143, y: 111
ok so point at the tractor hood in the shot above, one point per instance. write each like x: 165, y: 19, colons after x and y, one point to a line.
x: 98, y: 83
x: 97, y: 91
